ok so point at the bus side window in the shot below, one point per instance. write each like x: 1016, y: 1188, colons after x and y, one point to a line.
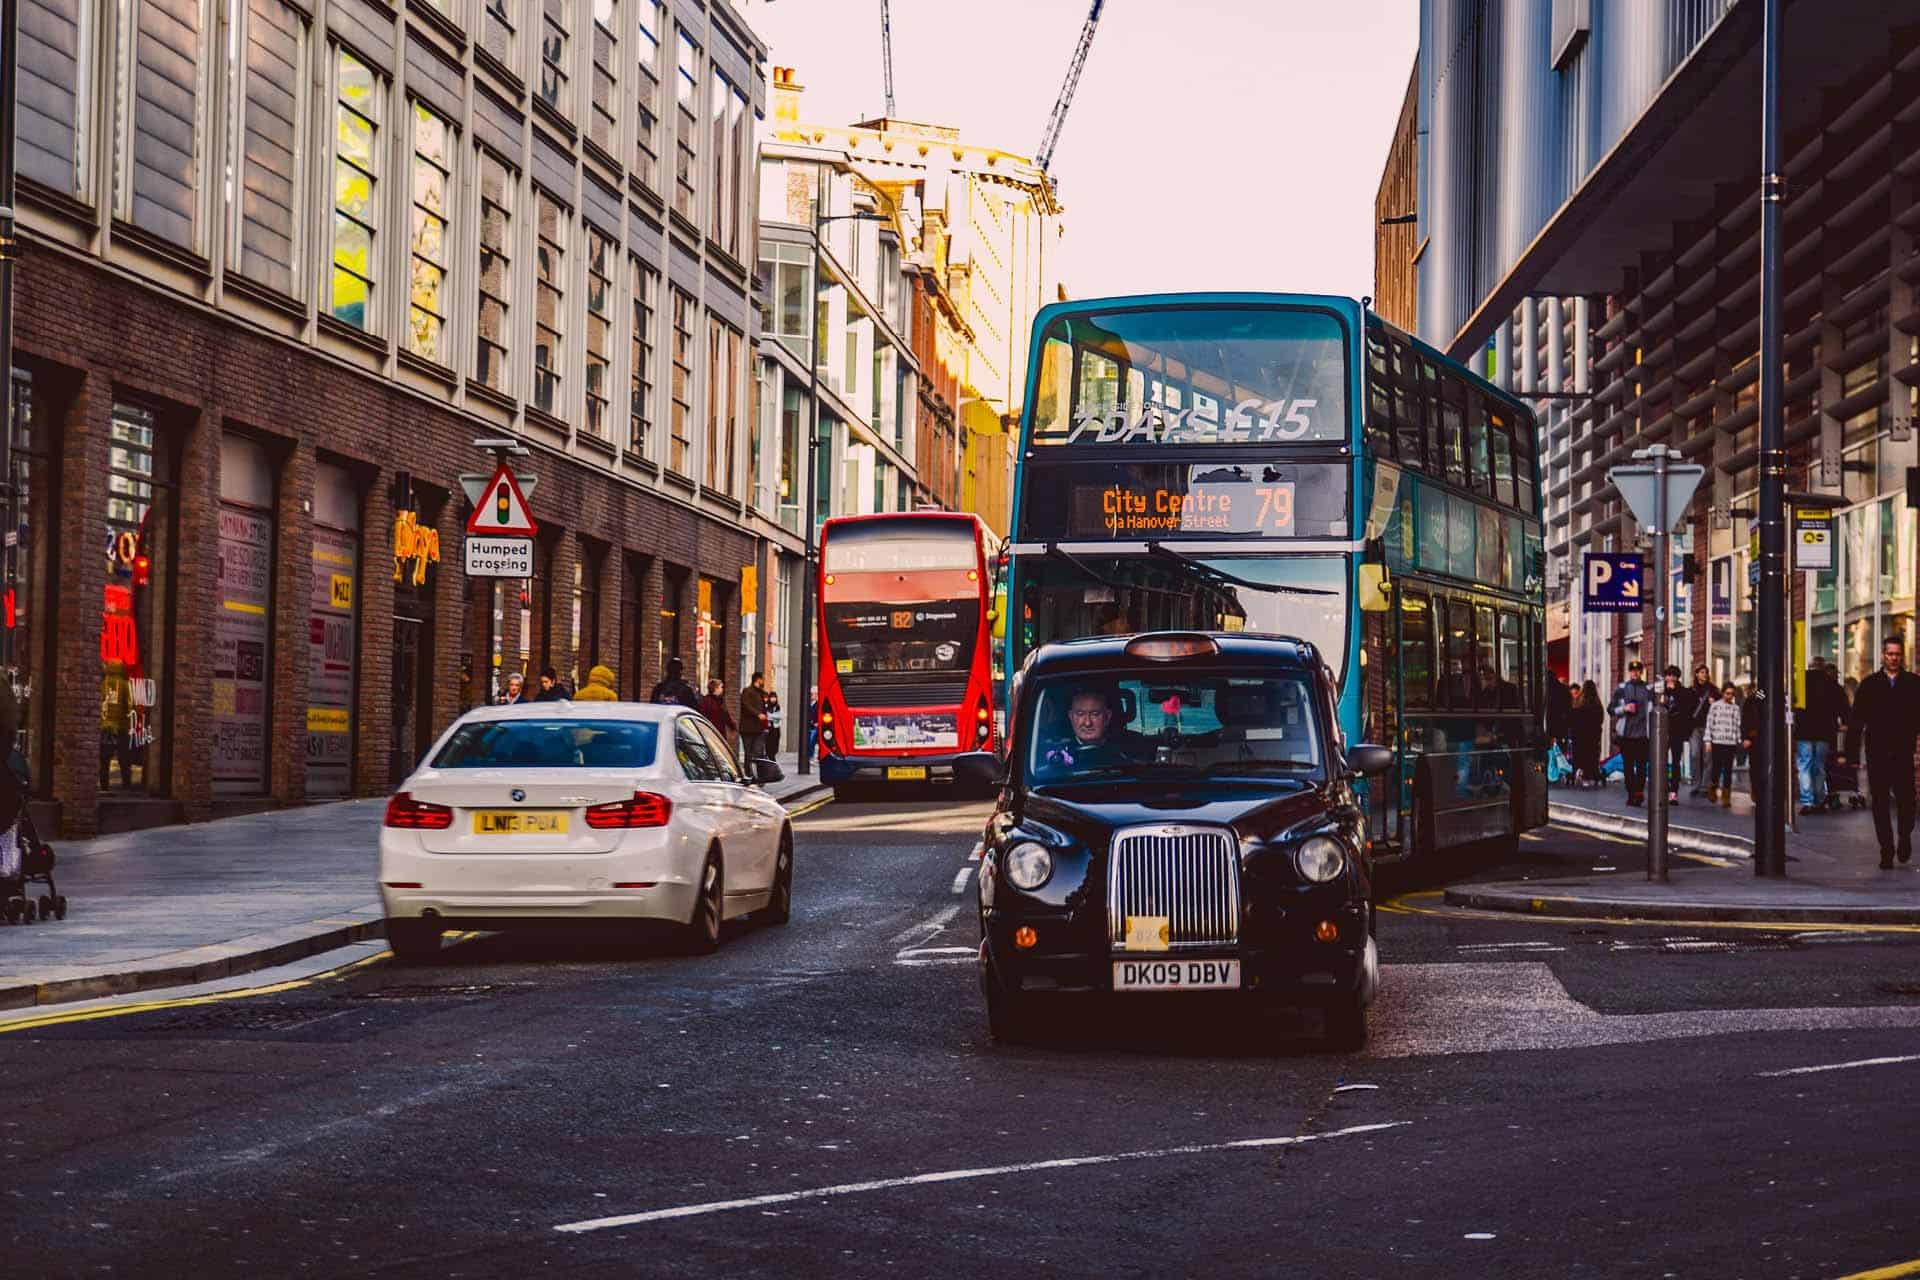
x: 1526, y: 441
x: 1479, y: 474
x: 1486, y: 689
x: 1452, y: 453
x: 1500, y: 441
x: 1409, y: 417
x: 1379, y: 396
x: 1456, y: 685
x: 1416, y: 651
x: 1514, y: 685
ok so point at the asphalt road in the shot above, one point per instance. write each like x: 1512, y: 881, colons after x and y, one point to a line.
x: 1539, y: 1098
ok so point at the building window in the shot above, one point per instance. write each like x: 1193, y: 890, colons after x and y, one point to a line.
x: 793, y: 405
x: 646, y: 146
x: 681, y: 421
x: 600, y: 260
x: 269, y: 159
x: 720, y: 193
x: 549, y: 303
x: 497, y: 31
x: 739, y: 151
x: 555, y: 22
x: 496, y: 272
x: 686, y: 161
x: 723, y: 407
x: 427, y: 300
x: 356, y: 165
x: 135, y: 627
x: 603, y: 125
x: 646, y: 297
x: 159, y: 125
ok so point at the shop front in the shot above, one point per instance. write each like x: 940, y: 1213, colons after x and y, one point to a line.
x: 416, y: 570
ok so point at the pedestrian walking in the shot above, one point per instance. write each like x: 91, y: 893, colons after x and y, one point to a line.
x: 1560, y: 712
x: 753, y: 719
x: 1816, y: 731
x: 552, y: 688
x: 775, y: 717
x: 1723, y: 744
x: 1631, y: 709
x: 675, y: 689
x: 600, y: 687
x: 812, y: 727
x: 1682, y: 709
x: 714, y: 708
x: 1589, y: 723
x: 1886, y: 716
x: 1706, y: 694
x: 516, y: 690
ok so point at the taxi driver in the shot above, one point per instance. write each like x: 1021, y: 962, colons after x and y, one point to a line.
x: 1094, y: 742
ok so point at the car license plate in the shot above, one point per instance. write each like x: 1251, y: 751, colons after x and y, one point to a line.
x: 1176, y: 975
x: 493, y: 822
x: 907, y: 773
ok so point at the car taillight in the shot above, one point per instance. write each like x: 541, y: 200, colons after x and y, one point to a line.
x: 417, y: 815
x: 644, y: 810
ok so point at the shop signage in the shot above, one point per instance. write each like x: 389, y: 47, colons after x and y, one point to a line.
x: 240, y: 646
x: 491, y: 557
x: 415, y: 546
x: 1812, y: 539
x: 1610, y: 582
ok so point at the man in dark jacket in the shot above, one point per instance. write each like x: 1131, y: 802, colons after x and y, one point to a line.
x: 1630, y: 707
x: 753, y: 719
x: 552, y: 688
x: 1560, y: 713
x: 1816, y: 731
x: 1705, y: 693
x: 1887, y: 716
x: 675, y: 689
x: 1682, y: 710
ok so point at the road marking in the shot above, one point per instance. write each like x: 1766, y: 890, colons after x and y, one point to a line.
x: 927, y: 927
x: 807, y: 808
x: 1404, y: 905
x: 960, y: 880
x: 1893, y: 1272
x: 1841, y: 1066
x: 954, y: 1175
x: 1531, y: 948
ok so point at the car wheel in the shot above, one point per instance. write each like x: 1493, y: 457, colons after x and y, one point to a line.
x: 703, y: 930
x: 780, y: 904
x: 413, y: 941
x: 1347, y: 1025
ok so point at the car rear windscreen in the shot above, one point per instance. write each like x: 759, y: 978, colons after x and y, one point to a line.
x: 549, y: 744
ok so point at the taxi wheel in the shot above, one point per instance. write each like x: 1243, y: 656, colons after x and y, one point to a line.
x: 703, y: 930
x: 1347, y: 1026
x: 413, y: 941
x: 780, y: 905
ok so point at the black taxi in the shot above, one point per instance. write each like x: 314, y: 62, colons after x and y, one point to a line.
x: 1178, y: 816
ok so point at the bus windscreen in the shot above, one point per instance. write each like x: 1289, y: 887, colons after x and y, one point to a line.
x: 1192, y: 375
x: 930, y: 637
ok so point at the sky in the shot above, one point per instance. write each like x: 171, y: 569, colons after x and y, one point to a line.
x: 1213, y: 144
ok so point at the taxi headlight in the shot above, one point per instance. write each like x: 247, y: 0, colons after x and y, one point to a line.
x: 1028, y: 865
x: 1320, y: 859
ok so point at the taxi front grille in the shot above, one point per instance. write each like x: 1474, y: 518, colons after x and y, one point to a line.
x: 1189, y: 875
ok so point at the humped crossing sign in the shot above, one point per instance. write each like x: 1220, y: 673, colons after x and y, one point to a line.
x: 500, y: 531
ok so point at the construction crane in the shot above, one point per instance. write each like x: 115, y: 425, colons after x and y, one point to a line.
x: 886, y: 52
x: 1048, y: 140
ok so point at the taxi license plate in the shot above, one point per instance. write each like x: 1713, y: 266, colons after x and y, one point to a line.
x: 491, y: 822
x: 1176, y: 975
x: 907, y: 773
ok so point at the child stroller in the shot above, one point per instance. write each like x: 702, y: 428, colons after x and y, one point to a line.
x: 1843, y: 780
x: 25, y: 859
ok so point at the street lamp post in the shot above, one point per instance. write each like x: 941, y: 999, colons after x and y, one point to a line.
x: 809, y: 728
x: 1769, y: 833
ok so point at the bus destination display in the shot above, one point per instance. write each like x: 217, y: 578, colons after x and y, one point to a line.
x: 1221, y: 507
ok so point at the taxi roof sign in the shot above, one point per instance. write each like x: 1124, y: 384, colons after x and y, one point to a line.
x: 502, y: 509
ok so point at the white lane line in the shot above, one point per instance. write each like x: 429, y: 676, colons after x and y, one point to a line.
x: 953, y: 1175
x: 1842, y: 1066
x: 926, y: 928
x: 960, y: 880
x: 977, y: 851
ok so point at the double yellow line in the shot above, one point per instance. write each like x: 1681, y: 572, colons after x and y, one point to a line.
x: 1405, y: 905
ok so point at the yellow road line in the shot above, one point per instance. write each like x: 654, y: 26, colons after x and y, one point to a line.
x: 1893, y: 1272
x: 810, y: 806
x: 1402, y: 905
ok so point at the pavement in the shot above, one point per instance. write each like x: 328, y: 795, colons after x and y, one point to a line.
x: 196, y: 903
x: 1833, y: 869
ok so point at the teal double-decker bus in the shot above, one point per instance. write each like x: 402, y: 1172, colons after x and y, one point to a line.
x: 1292, y: 464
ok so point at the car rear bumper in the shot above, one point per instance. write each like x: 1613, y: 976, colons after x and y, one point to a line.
x: 457, y: 909
x: 873, y: 768
x: 462, y: 889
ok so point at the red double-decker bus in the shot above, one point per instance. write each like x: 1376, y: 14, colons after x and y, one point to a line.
x: 906, y: 678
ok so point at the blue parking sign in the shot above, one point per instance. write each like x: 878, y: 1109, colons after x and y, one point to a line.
x: 1610, y: 582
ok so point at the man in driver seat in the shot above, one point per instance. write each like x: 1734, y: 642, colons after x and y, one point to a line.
x: 1096, y: 743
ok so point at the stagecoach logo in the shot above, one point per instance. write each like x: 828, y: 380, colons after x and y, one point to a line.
x: 1251, y: 421
x: 518, y: 795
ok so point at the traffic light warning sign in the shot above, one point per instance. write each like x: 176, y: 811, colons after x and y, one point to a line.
x: 502, y: 510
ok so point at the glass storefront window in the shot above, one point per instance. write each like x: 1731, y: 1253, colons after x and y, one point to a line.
x: 134, y: 626
x: 241, y: 631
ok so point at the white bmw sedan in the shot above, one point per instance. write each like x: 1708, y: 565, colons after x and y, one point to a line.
x: 552, y: 811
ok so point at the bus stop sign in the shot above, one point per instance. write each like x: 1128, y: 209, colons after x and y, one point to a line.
x: 1610, y: 582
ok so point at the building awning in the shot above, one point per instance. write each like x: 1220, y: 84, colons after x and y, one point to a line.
x: 1699, y: 139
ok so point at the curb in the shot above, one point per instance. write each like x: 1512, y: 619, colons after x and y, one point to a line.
x: 1522, y: 902
x: 1689, y: 839
x: 28, y: 995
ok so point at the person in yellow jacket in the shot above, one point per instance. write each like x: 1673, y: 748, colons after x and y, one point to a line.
x: 116, y: 717
x: 600, y: 687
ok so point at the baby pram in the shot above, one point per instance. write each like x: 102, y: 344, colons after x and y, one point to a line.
x: 25, y: 859
x: 1843, y: 780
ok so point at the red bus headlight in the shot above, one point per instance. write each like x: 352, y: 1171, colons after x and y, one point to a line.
x: 645, y: 809
x: 405, y: 812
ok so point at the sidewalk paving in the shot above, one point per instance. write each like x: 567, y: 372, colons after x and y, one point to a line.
x: 1833, y: 869
x: 186, y: 904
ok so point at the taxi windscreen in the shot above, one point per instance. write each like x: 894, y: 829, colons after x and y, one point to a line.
x: 1190, y: 722
x: 549, y: 744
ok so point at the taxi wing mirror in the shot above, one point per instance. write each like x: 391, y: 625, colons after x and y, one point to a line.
x: 1374, y: 590
x: 1369, y: 760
